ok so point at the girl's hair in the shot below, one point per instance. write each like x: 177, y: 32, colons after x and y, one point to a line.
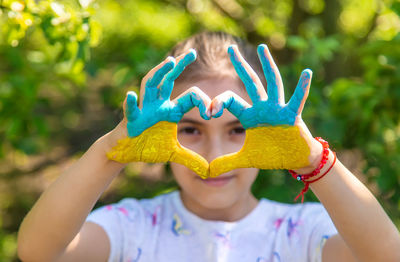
x: 212, y: 56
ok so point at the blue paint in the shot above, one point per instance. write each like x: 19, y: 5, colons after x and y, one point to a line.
x: 168, y: 84
x: 192, y: 99
x: 234, y: 103
x: 137, y: 256
x: 277, y: 256
x: 157, y: 105
x: 152, y: 83
x: 296, y: 102
x: 292, y: 227
x: 272, y: 75
x: 268, y: 112
x: 244, y: 74
x: 274, y: 256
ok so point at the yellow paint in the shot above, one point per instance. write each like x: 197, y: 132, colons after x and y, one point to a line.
x: 158, y: 144
x: 276, y: 147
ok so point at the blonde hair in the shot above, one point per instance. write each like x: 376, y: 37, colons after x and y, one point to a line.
x: 212, y: 56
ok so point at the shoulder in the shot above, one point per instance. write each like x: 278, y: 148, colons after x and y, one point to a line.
x: 308, y: 223
x: 129, y: 222
x: 132, y: 210
x: 307, y: 219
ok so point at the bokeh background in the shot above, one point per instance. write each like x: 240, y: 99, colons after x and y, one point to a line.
x: 65, y: 68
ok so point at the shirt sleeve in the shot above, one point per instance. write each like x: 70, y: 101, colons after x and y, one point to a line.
x: 122, y: 223
x: 321, y: 227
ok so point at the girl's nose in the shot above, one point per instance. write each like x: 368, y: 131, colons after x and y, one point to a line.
x: 214, y: 148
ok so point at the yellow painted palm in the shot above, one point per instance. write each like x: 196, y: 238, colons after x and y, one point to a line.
x: 276, y: 136
x: 152, y: 130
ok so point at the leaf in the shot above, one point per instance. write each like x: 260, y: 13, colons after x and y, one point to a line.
x: 297, y: 42
x: 396, y: 8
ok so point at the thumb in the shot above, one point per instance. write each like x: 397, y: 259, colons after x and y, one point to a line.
x: 131, y: 110
x: 191, y: 160
x: 226, y: 163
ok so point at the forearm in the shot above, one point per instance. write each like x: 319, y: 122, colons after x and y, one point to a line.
x: 62, y: 209
x: 357, y: 215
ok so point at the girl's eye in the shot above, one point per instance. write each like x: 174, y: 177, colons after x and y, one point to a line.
x: 189, y: 131
x: 237, y: 130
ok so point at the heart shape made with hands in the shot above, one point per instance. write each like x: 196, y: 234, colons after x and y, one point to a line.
x: 276, y: 136
x: 152, y: 130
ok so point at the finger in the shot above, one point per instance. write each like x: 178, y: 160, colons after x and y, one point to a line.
x: 181, y: 62
x: 131, y: 109
x: 229, y: 100
x: 274, y: 80
x: 250, y: 79
x: 297, y: 101
x: 154, y: 78
x: 191, y: 160
x: 226, y: 163
x: 192, y: 97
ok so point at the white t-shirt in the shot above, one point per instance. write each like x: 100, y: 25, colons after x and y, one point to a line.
x: 162, y: 229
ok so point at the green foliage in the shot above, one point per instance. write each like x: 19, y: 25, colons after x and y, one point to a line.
x: 369, y: 106
x: 43, y: 50
x: 65, y: 68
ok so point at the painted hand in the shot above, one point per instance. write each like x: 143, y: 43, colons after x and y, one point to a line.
x: 276, y: 136
x: 152, y: 130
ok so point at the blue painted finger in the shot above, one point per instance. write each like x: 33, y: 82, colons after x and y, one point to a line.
x: 247, y: 75
x: 167, y: 85
x: 191, y: 98
x: 131, y: 109
x: 297, y: 101
x: 151, y: 90
x: 274, y: 80
x: 231, y: 101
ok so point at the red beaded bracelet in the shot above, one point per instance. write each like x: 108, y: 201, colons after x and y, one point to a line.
x: 325, y: 153
x: 324, y: 159
x: 307, y: 183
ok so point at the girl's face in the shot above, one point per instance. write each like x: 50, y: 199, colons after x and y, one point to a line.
x: 211, y: 139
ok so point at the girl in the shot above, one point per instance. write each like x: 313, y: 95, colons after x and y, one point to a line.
x: 213, y: 219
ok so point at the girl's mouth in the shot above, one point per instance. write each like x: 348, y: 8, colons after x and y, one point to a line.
x: 217, y: 181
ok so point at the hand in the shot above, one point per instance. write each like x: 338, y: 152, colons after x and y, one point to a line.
x: 276, y: 136
x: 152, y: 130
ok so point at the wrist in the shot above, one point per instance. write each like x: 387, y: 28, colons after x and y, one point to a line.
x: 326, y: 169
x: 323, y: 168
x: 110, y: 140
x: 315, y: 157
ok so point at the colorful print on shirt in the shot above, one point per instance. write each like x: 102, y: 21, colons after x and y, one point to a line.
x: 177, y: 227
x: 136, y: 259
x: 275, y: 258
x: 154, y: 215
x: 292, y: 227
x: 318, y: 250
x: 225, y: 239
x: 128, y: 213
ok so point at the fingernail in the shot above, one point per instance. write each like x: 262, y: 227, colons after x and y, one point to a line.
x: 170, y: 59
